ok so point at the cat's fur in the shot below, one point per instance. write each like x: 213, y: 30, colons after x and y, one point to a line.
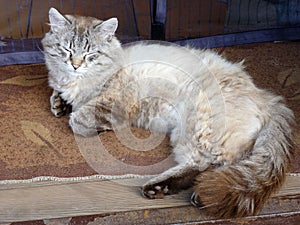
x: 231, y: 139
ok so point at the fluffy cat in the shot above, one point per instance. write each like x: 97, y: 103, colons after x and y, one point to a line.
x: 231, y: 140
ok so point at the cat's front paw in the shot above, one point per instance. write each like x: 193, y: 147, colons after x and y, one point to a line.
x: 59, y: 107
x: 82, y: 125
x: 158, y: 190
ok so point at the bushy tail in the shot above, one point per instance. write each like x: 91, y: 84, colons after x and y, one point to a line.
x: 241, y: 189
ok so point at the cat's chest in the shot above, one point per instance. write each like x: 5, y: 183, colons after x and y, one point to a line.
x: 79, y: 92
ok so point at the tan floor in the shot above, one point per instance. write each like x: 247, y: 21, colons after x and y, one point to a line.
x: 34, y: 143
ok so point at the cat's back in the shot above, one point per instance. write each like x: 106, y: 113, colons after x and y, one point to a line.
x: 162, y: 60
x: 188, y: 62
x: 161, y: 53
x: 189, y: 69
x: 150, y: 50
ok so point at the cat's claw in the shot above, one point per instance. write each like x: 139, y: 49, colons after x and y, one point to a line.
x: 195, y: 200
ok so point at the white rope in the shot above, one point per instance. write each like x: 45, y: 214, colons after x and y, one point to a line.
x: 86, y: 178
x: 73, y: 179
x: 294, y: 174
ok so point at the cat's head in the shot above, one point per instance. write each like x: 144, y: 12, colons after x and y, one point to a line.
x: 77, y: 44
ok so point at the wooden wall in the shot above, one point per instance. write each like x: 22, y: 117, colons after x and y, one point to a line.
x: 26, y: 19
x: 197, y: 18
x: 184, y: 18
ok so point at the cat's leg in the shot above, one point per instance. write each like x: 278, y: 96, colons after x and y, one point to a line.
x: 59, y: 107
x: 172, y: 181
x: 191, y: 162
x: 88, y: 120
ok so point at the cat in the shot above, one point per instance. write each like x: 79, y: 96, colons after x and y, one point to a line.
x: 232, y: 141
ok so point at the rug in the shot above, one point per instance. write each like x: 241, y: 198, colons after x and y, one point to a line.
x: 34, y: 143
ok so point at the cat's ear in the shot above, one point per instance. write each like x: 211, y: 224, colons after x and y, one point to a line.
x: 107, y: 28
x: 57, y: 20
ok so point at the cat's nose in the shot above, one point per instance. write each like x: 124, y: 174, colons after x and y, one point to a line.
x: 75, y: 66
x: 76, y: 63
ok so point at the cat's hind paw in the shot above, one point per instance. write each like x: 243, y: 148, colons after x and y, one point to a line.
x: 170, y: 182
x: 155, y: 191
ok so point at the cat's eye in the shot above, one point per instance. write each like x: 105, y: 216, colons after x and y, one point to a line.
x: 91, y: 57
x: 67, y: 49
x: 66, y: 52
x: 87, y: 47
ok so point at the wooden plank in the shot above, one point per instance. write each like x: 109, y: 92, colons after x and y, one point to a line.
x: 290, y: 187
x: 84, y: 198
x: 46, y: 200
